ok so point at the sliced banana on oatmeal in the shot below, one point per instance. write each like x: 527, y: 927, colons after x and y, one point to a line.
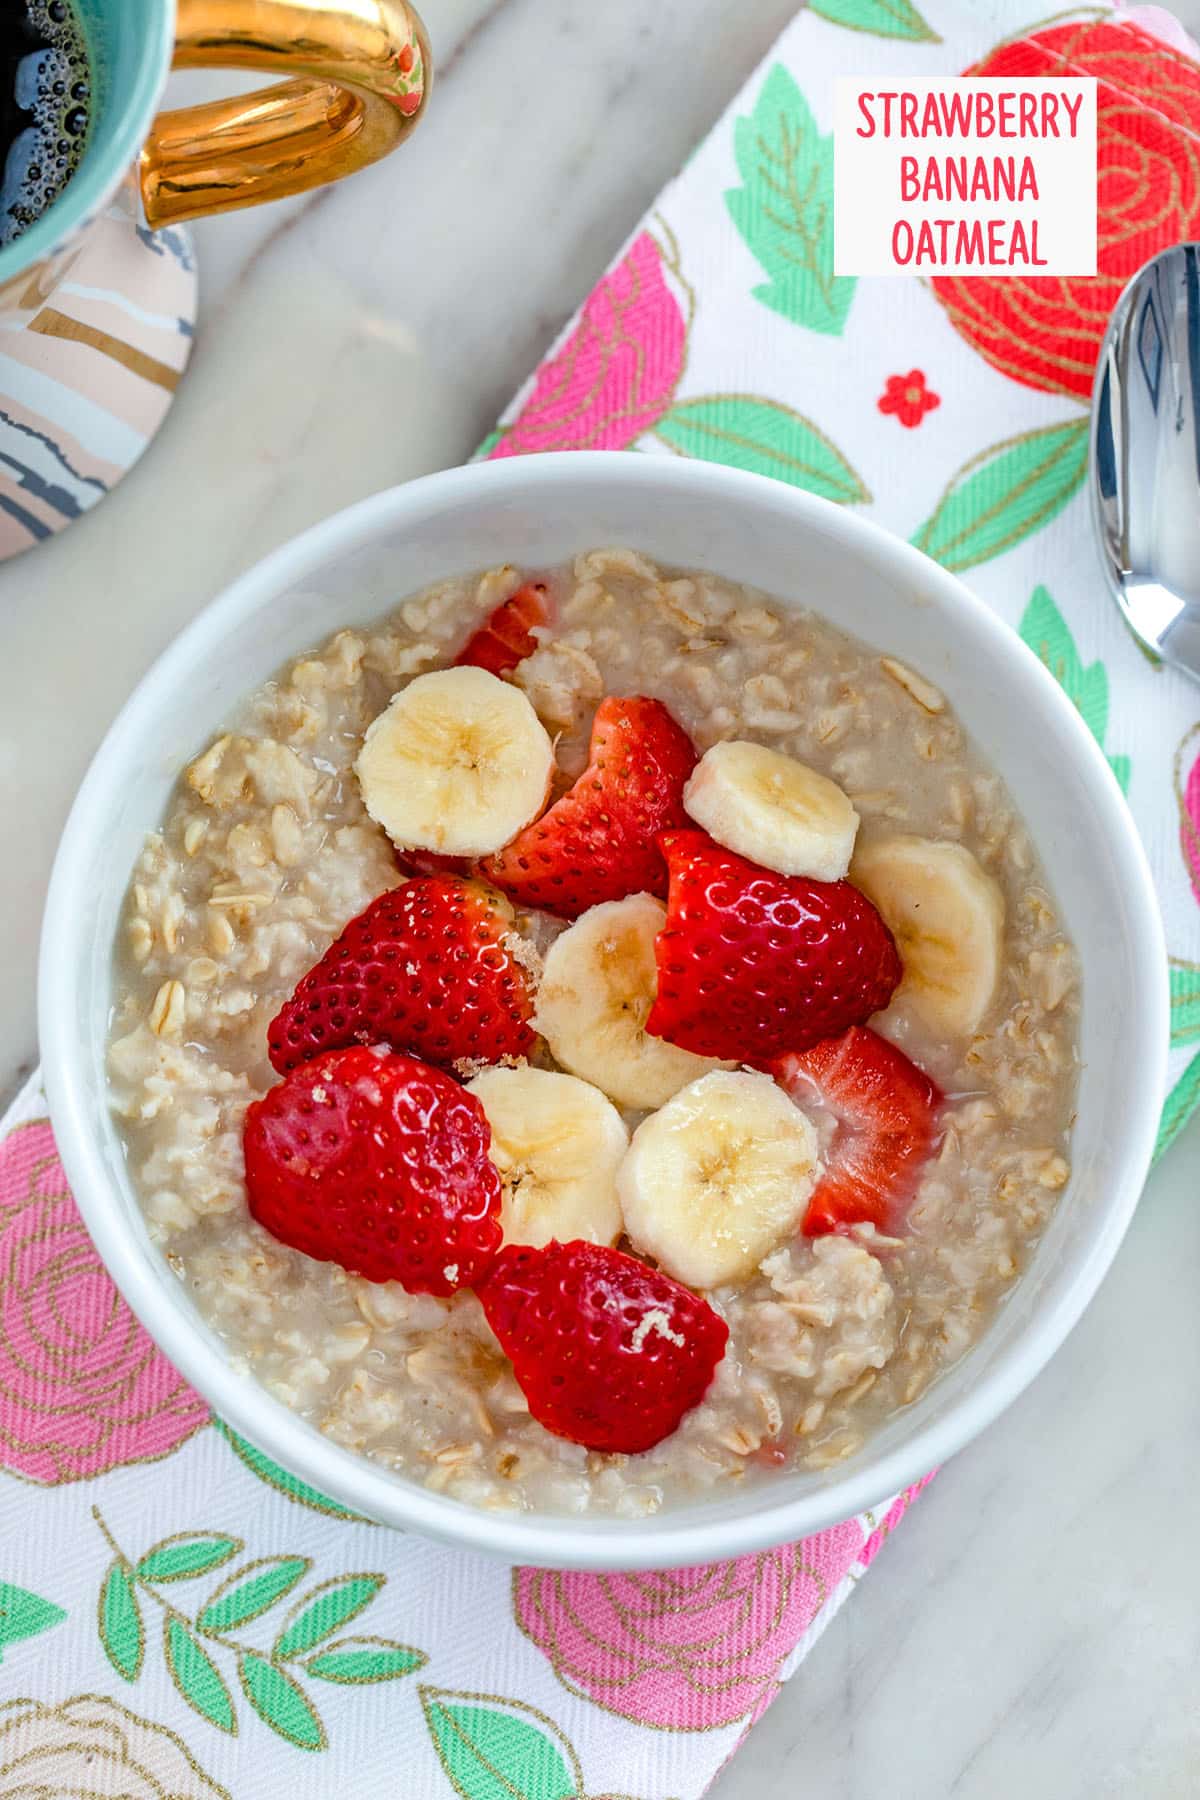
x: 459, y: 762
x: 772, y: 809
x: 557, y: 1143
x: 946, y: 914
x: 718, y: 1178
x: 597, y: 988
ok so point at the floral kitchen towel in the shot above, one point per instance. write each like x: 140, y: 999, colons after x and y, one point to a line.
x: 954, y: 410
x: 181, y: 1618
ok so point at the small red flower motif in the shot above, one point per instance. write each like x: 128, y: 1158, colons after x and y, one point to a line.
x: 908, y: 397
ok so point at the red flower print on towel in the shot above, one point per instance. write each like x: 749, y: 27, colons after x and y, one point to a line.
x: 684, y: 1649
x: 616, y: 375
x: 1187, y: 792
x: 908, y: 397
x: 83, y: 1389
x: 1046, y: 331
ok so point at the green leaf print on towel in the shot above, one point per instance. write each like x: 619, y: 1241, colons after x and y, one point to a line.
x: 1182, y: 1101
x: 184, y: 1557
x: 1049, y: 637
x: 198, y: 1635
x: 24, y: 1615
x: 1185, y: 1003
x: 1185, y: 1029
x: 749, y: 432
x: 119, y: 1618
x: 280, y: 1702
x: 784, y: 208
x: 251, y: 1591
x: 496, y: 1749
x: 1005, y: 494
x: 196, y: 1675
x: 288, y: 1485
x: 354, y: 1660
x: 324, y: 1610
x: 882, y: 18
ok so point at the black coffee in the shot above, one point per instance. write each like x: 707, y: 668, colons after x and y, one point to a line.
x: 45, y: 94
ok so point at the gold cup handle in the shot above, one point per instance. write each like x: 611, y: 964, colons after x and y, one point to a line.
x: 360, y: 77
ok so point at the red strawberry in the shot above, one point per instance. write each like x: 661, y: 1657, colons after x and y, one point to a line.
x: 608, y: 1352
x: 427, y: 967
x: 507, y: 637
x: 887, y: 1125
x: 599, y: 841
x: 751, y: 963
x: 378, y: 1163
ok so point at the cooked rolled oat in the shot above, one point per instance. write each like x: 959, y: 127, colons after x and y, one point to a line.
x: 266, y: 852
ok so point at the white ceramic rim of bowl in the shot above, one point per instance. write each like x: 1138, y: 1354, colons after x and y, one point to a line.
x: 669, y: 1539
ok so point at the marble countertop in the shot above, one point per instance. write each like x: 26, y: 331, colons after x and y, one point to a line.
x: 1035, y: 1628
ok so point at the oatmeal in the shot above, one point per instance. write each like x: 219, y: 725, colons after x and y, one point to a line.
x: 838, y: 1312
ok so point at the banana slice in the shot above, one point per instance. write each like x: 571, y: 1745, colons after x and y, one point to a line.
x: 772, y: 809
x: 947, y: 917
x: 597, y: 988
x: 718, y: 1178
x: 458, y: 763
x: 557, y: 1143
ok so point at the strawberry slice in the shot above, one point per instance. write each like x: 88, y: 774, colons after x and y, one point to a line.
x: 608, y: 1352
x: 752, y: 963
x: 378, y: 1163
x: 432, y: 966
x: 887, y: 1127
x: 598, y: 842
x: 507, y: 637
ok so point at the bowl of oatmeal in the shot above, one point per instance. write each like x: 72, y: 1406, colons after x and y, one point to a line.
x: 577, y: 1003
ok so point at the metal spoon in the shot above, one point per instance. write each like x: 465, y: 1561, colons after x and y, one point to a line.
x: 1145, y: 460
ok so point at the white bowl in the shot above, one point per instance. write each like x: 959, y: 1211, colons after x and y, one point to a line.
x: 538, y: 510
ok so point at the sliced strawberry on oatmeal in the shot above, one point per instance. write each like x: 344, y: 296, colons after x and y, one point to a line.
x: 507, y: 637
x: 887, y: 1126
x: 378, y: 1163
x: 752, y: 963
x: 608, y: 1352
x: 434, y: 967
x: 599, y: 841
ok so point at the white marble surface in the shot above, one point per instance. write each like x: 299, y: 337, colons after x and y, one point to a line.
x: 1035, y: 1629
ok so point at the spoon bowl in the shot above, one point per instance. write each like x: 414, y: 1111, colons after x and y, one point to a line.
x: 1145, y: 461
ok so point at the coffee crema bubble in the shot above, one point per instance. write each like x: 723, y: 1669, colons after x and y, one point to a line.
x: 45, y: 108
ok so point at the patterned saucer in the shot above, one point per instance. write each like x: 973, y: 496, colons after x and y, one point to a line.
x: 89, y: 364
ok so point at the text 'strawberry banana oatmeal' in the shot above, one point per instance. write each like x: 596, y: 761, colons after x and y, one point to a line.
x: 595, y: 1038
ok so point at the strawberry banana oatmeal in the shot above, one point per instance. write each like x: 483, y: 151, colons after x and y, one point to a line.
x: 588, y: 1040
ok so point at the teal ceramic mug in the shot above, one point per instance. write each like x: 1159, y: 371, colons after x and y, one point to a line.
x: 97, y: 295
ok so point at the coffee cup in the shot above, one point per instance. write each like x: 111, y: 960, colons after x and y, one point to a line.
x: 98, y: 290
